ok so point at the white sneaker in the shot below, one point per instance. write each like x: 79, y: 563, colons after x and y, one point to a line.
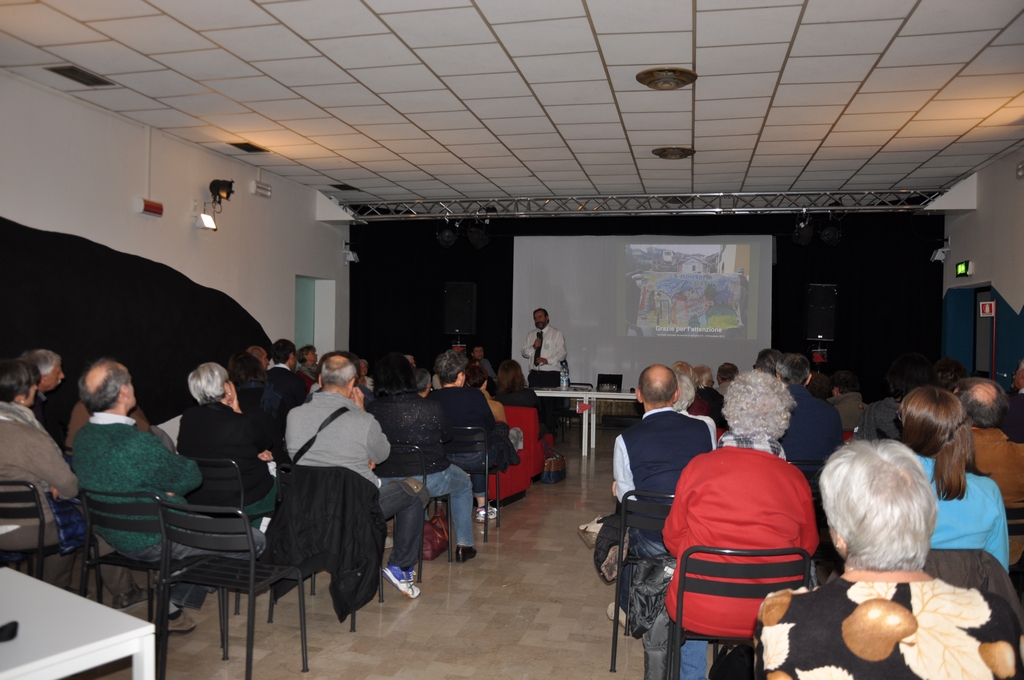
x: 403, y: 580
x: 482, y: 516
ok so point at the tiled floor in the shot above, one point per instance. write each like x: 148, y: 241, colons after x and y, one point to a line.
x: 529, y: 606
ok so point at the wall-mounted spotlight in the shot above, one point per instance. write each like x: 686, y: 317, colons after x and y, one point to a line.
x: 447, y: 236
x: 477, y: 238
x: 204, y: 221
x: 221, y: 189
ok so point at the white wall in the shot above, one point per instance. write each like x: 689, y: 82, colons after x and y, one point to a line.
x: 66, y: 166
x: 992, y: 237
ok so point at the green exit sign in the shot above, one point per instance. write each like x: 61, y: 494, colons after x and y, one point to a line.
x: 964, y: 268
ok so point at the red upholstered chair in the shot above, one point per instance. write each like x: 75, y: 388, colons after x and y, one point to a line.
x: 516, y: 480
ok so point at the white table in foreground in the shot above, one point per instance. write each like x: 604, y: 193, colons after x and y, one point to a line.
x: 60, y: 634
x: 588, y: 431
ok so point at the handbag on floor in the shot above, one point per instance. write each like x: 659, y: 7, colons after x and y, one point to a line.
x: 435, y: 535
x: 554, y: 466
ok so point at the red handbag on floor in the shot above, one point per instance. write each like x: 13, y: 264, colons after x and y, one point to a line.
x: 435, y: 535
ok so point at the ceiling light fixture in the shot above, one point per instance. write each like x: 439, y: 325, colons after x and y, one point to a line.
x: 673, y: 153
x: 666, y: 77
x: 477, y: 238
x: 447, y: 236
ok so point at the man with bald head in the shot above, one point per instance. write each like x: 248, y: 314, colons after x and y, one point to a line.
x: 651, y: 455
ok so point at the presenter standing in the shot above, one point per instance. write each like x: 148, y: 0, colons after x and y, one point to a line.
x: 545, y: 350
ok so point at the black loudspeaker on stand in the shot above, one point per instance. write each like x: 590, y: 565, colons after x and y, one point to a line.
x: 459, y: 308
x: 821, y: 311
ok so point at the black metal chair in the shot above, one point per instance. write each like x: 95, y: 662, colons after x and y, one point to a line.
x: 470, y: 440
x: 446, y: 498
x: 732, y: 580
x: 284, y: 483
x: 20, y: 503
x: 219, y: 530
x: 130, y: 512
x: 1015, y: 528
x: 638, y: 512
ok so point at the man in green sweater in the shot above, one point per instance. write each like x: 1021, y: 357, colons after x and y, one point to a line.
x: 112, y: 455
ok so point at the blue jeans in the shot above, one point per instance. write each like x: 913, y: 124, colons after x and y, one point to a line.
x: 407, y: 510
x: 472, y: 461
x: 190, y: 594
x: 452, y: 481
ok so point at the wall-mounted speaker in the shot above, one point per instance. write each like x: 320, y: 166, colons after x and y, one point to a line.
x: 459, y: 308
x: 821, y: 311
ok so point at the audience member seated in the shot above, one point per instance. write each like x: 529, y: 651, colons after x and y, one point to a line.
x: 818, y: 386
x: 512, y: 389
x: 80, y: 416
x: 685, y: 398
x: 282, y: 376
x: 465, y: 407
x: 650, y: 455
x: 217, y: 429
x: 885, y: 618
x: 995, y: 456
x: 478, y: 354
x: 846, y: 398
x: 29, y: 454
x: 336, y: 432
x: 360, y: 385
x: 766, y: 360
x: 971, y: 512
x: 698, y: 407
x: 815, y: 429
x: 743, y: 496
x: 949, y: 372
x: 422, y: 381
x: 307, y: 365
x: 705, y: 384
x: 726, y: 374
x: 260, y: 354
x: 50, y: 378
x: 476, y: 376
x: 406, y: 419
x: 111, y: 455
x: 258, y: 401
x: 364, y: 375
x: 879, y: 419
x: 1013, y: 424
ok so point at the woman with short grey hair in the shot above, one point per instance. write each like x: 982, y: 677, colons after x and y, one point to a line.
x: 758, y: 408
x: 687, y: 392
x: 885, y: 617
x: 209, y: 383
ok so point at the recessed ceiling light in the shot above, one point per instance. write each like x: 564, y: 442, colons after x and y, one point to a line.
x: 673, y: 153
x: 666, y: 78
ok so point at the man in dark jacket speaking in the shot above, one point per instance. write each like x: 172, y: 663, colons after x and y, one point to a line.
x: 333, y: 430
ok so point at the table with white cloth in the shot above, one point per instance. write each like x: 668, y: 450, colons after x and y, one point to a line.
x: 61, y: 634
x: 589, y: 399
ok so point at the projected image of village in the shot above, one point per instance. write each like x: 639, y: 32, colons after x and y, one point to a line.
x: 687, y: 290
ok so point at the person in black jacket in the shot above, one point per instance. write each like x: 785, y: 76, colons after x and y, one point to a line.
x: 283, y: 377
x: 216, y: 428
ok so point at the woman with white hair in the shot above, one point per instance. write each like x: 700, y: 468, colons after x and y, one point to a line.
x: 216, y: 428
x: 885, y: 618
x: 687, y: 393
x: 744, y: 495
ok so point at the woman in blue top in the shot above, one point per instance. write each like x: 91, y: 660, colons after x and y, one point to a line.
x: 971, y: 512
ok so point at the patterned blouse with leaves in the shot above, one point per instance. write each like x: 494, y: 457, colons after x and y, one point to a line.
x: 857, y: 631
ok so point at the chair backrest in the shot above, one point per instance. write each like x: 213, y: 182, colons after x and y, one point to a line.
x: 135, y: 512
x: 207, y: 527
x: 733, y: 579
x: 466, y: 440
x: 614, y: 379
x: 221, y: 475
x: 20, y: 500
x: 645, y: 510
x: 1015, y: 521
x: 416, y: 450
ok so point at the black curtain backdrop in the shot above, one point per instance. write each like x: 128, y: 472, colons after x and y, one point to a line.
x: 889, y: 294
x: 86, y: 301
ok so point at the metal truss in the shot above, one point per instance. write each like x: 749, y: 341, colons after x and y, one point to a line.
x: 637, y: 205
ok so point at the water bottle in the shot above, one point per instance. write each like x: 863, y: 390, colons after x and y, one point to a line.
x: 563, y: 377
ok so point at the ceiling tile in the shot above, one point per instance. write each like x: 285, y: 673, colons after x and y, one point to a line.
x: 851, y: 37
x: 978, y: 87
x: 647, y: 48
x: 206, y: 134
x: 655, y: 121
x: 367, y: 115
x: 519, y: 126
x: 300, y: 151
x: 951, y: 16
x: 591, y: 131
x: 1006, y: 116
x: 909, y: 78
x: 448, y: 120
x: 275, y: 138
x: 803, y: 115
x: 450, y: 137
x: 549, y: 154
x: 346, y: 142
x: 488, y: 162
x: 840, y: 164
x: 598, y: 145
x: 886, y: 157
x: 326, y: 18
x: 391, y: 131
x: 225, y: 149
x: 410, y: 146
x: 119, y: 99
x: 723, y: 108
x: 727, y: 156
x: 330, y: 164
x: 531, y: 141
x: 811, y: 175
x: 204, y: 16
x: 466, y: 59
x: 487, y: 86
x: 318, y: 126
x: 423, y: 102
x: 960, y: 108
x: 937, y: 128
x: 655, y: 138
x: 348, y: 94
x: 440, y: 27
x: 160, y: 83
x: 204, y: 104
x: 47, y: 78
x: 206, y: 64
x: 1012, y: 34
x: 101, y: 9
x: 287, y: 109
x: 746, y: 26
x: 712, y: 61
x: 243, y: 122
x: 790, y: 173
x: 306, y: 71
x: 781, y: 133
x: 722, y: 143
x: 993, y: 60
x: 898, y: 143
x: 262, y: 43
x: 828, y: 69
x: 408, y: 78
x: 583, y: 92
x: 920, y: 50
x: 861, y: 138
x: 889, y: 101
x: 614, y: 16
x: 822, y: 94
x: 787, y: 147
x: 14, y: 52
x: 735, y: 86
x: 153, y: 35
x: 945, y: 160
x: 364, y: 155
x: 40, y: 25
x: 105, y: 58
x: 584, y: 113
x: 502, y: 12
x: 258, y: 88
x: 862, y: 122
x: 553, y: 166
x: 555, y: 36
x: 366, y: 51
x: 792, y: 160
x: 403, y: 170
x: 164, y: 118
x: 994, y: 133
x: 977, y: 147
x: 655, y: 102
x: 727, y: 126
x: 505, y: 107
x: 607, y: 158
x: 561, y: 68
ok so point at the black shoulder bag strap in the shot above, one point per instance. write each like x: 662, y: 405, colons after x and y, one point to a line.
x: 330, y: 419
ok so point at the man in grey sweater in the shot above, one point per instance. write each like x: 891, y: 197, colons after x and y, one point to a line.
x: 354, y: 440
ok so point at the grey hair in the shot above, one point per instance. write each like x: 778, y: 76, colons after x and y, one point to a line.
x: 448, y: 365
x: 758, y: 405
x: 703, y: 375
x: 422, y: 379
x: 686, y: 392
x: 338, y: 371
x: 878, y: 498
x: 984, y: 401
x: 206, y: 383
x: 105, y: 396
x: 44, y: 359
x: 794, y: 369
